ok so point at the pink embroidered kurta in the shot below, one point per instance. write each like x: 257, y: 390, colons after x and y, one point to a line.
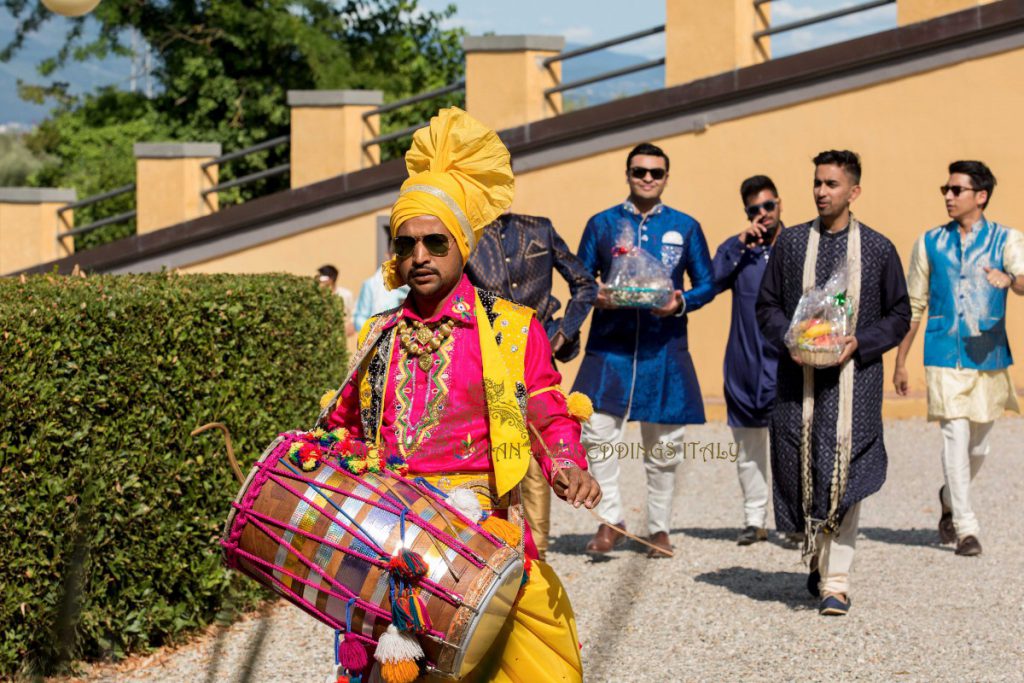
x: 437, y: 418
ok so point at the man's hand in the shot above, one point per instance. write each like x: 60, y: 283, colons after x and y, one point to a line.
x: 753, y: 236
x: 796, y: 358
x: 849, y: 346
x: 998, y: 278
x: 557, y: 342
x: 603, y: 299
x: 576, y: 487
x: 901, y: 380
x: 672, y: 307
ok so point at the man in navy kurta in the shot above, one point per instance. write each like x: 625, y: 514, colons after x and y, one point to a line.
x: 637, y: 364
x: 750, y: 365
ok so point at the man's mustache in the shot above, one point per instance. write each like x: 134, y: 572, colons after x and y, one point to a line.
x: 423, y: 271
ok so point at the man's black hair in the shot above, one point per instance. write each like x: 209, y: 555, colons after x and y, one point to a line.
x: 328, y: 271
x: 844, y: 159
x: 755, y: 185
x: 981, y: 176
x: 646, y: 149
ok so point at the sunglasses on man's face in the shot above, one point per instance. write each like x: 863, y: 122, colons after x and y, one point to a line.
x: 639, y: 172
x: 955, y: 189
x: 436, y: 243
x: 755, y: 209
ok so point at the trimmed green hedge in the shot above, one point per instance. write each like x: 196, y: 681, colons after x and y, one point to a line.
x: 101, y: 381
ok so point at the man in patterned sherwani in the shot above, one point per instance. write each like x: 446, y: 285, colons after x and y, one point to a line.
x: 515, y: 258
x: 827, y: 450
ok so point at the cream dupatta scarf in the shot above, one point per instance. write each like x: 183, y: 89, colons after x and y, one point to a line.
x: 844, y: 423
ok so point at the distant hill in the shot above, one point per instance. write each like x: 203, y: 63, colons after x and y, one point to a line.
x: 601, y: 62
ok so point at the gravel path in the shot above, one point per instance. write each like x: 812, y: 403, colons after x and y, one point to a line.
x: 719, y: 612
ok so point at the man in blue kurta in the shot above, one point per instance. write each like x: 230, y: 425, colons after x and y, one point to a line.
x: 637, y: 365
x: 960, y: 272
x: 750, y: 364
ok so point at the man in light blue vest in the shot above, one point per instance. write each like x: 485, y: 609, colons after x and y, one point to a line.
x: 960, y: 272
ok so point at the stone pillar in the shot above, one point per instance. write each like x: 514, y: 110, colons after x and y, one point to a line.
x: 913, y: 11
x: 708, y: 38
x: 328, y: 131
x: 169, y: 181
x: 506, y: 79
x: 30, y: 225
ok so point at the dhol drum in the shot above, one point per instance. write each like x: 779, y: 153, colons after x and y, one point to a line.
x: 323, y: 537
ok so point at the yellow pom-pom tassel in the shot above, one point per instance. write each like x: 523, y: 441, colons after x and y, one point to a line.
x: 503, y: 529
x: 325, y: 400
x: 389, y: 270
x: 403, y: 671
x: 580, y: 406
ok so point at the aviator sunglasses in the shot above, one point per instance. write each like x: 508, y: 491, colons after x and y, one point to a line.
x: 755, y: 209
x: 436, y: 243
x: 639, y: 172
x: 955, y: 189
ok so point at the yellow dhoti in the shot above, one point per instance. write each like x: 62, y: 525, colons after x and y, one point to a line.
x: 538, y: 642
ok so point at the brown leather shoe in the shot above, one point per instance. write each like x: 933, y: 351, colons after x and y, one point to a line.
x: 968, y: 546
x: 947, y: 532
x: 605, y: 540
x: 659, y: 539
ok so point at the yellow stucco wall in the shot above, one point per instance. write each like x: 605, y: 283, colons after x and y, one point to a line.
x: 705, y: 38
x: 912, y: 11
x: 327, y: 141
x: 169, y: 191
x: 28, y: 234
x: 520, y: 98
x: 905, y: 130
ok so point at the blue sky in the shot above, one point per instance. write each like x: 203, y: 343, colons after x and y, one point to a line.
x: 580, y: 21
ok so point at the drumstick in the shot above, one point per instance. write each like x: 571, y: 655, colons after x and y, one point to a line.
x: 558, y: 473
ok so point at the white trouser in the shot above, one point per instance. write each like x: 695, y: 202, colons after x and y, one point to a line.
x: 662, y: 450
x: 964, y: 447
x: 752, y: 468
x: 835, y: 554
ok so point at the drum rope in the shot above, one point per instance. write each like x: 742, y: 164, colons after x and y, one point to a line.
x: 323, y: 574
x: 393, y: 509
x: 440, y: 549
x: 285, y: 589
x: 431, y: 492
x: 434, y: 587
x: 426, y: 526
x: 365, y: 538
x: 316, y: 486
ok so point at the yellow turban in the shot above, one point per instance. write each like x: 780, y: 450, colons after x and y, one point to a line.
x: 460, y: 172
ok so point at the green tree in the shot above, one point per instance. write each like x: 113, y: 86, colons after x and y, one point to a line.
x: 222, y: 70
x: 17, y: 161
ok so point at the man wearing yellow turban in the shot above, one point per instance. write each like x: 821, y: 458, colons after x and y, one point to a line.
x: 459, y: 381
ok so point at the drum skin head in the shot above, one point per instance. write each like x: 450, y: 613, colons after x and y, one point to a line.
x: 494, y: 609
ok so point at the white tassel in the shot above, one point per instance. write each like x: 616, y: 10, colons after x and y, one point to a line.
x: 397, y: 646
x: 466, y: 502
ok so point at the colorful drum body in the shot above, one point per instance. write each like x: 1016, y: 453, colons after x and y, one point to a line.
x: 322, y: 537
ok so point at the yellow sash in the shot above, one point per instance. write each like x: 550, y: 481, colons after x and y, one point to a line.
x: 504, y: 369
